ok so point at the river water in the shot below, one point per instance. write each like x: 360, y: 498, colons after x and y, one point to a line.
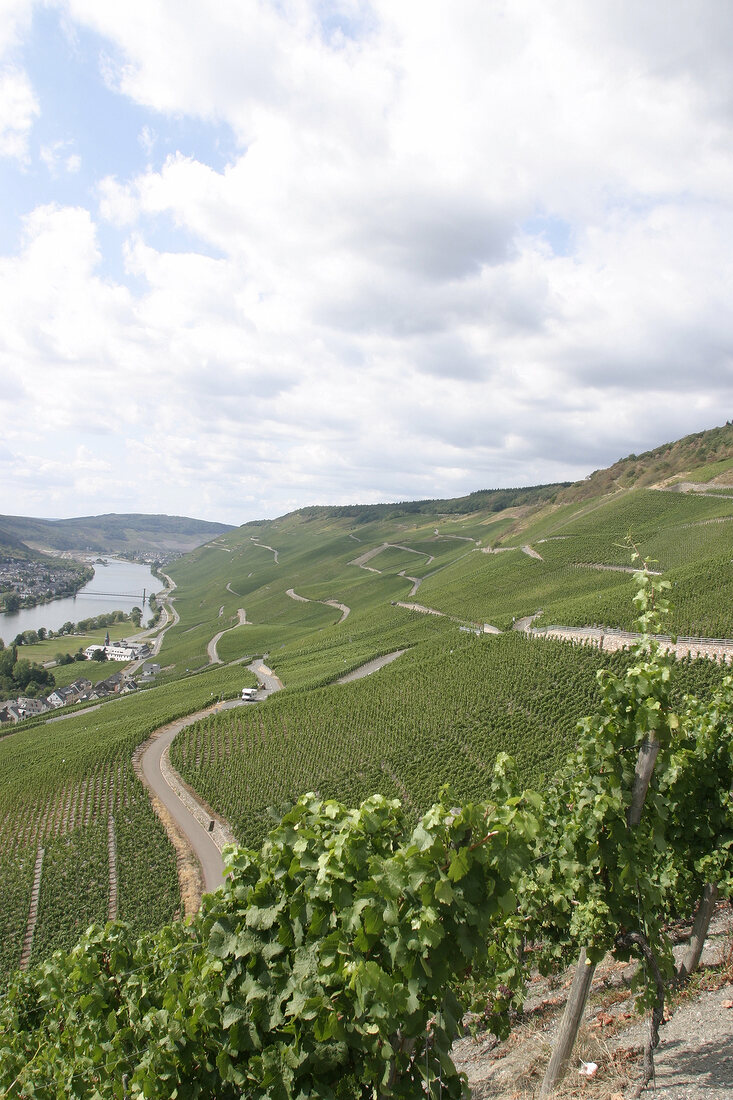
x: 117, y: 586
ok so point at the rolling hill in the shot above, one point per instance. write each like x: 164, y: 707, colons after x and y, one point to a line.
x: 320, y: 592
x: 113, y: 533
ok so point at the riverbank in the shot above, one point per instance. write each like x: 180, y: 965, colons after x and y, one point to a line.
x: 117, y: 586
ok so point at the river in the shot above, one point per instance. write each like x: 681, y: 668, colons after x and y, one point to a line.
x: 116, y: 586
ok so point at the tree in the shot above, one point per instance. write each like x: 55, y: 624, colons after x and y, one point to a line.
x: 22, y: 672
x: 99, y: 655
x: 7, y: 660
x: 12, y: 601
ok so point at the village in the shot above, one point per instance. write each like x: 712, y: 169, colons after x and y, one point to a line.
x: 27, y: 583
x: 83, y: 689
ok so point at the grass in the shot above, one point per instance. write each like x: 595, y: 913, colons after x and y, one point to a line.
x: 90, y: 670
x: 438, y: 713
x: 47, y: 650
x: 706, y: 473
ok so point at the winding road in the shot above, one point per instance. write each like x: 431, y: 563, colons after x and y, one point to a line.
x: 196, y: 826
x: 156, y: 769
x: 214, y: 658
x: 345, y: 611
x: 199, y: 834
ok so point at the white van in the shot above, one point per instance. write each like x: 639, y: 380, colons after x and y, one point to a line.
x: 249, y: 695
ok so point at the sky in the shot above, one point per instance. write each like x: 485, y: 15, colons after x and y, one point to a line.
x: 260, y: 255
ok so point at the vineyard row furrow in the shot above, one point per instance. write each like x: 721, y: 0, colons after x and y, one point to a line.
x: 112, y: 852
x: 33, y: 912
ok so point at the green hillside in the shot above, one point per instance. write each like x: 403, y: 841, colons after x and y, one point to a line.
x: 320, y: 592
x: 113, y: 533
x: 12, y: 546
x: 702, y: 457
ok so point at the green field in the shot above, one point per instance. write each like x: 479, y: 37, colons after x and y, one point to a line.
x: 439, y: 713
x: 61, y: 782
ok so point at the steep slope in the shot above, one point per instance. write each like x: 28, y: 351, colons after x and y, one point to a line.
x: 705, y: 457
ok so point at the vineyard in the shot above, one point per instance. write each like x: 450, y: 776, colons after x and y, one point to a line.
x: 333, y: 962
x: 61, y: 786
x: 688, y: 535
x: 442, y: 712
x: 331, y: 653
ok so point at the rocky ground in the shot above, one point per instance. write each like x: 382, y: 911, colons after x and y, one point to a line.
x: 694, y: 1059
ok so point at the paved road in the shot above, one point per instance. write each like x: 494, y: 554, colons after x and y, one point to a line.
x: 194, y: 822
x: 211, y: 649
x: 203, y: 846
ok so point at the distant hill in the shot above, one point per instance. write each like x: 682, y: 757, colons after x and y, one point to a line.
x: 13, y: 547
x: 483, y: 500
x: 704, y: 458
x: 111, y: 533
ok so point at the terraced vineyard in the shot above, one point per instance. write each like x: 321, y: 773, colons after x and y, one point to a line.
x: 573, y: 585
x: 61, y: 785
x: 439, y: 713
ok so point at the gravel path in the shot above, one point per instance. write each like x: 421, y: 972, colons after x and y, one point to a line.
x: 694, y: 1060
x: 345, y: 611
x: 371, y: 666
x: 369, y: 554
x: 263, y: 546
x: 211, y: 648
x: 418, y: 607
x: 416, y: 582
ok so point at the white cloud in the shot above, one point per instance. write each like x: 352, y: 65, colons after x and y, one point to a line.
x: 147, y: 138
x: 18, y: 102
x: 455, y: 246
x: 57, y: 157
x: 15, y: 18
x: 18, y: 109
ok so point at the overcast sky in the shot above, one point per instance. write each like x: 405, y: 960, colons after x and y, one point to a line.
x: 260, y: 255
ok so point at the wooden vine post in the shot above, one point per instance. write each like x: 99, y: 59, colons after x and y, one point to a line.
x: 569, y: 1025
x: 646, y: 760
x: 585, y: 970
x: 691, y: 958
